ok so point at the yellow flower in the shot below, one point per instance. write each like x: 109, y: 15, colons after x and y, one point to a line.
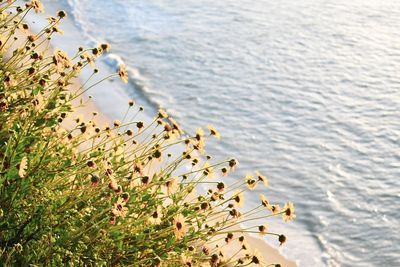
x: 251, y: 183
x: 155, y: 218
x: 263, y: 229
x: 232, y: 163
x: 36, y: 5
x: 264, y: 200
x: 199, y: 134
x: 175, y: 126
x: 257, y: 258
x: 9, y: 80
x: 89, y: 58
x: 38, y: 102
x: 172, y: 186
x: 162, y: 114
x: 61, y: 60
x: 118, y: 209
x: 208, y: 170
x: 179, y: 226
x: 22, y: 167
x: 229, y: 238
x: 275, y: 209
x: 123, y: 74
x: 186, y: 261
x: 262, y: 178
x: 213, y: 131
x: 238, y: 198
x: 288, y: 214
x: 105, y: 47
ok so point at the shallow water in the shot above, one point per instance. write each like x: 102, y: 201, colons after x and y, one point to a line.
x: 305, y: 91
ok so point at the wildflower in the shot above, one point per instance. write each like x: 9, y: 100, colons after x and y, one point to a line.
x: 94, y: 179
x: 32, y: 38
x: 162, y: 114
x: 38, y: 102
x: 245, y: 245
x: 215, y: 196
x: 89, y: 58
x: 208, y: 170
x: 257, y: 258
x: 129, y: 132
x: 145, y: 180
x: 262, y: 178
x: 214, y: 260
x: 199, y: 134
x: 205, y: 250
x: 282, y: 239
x: 204, y: 206
x: 22, y: 167
x: 105, y: 47
x: 112, y: 220
x: 235, y: 213
x: 229, y: 238
x: 186, y: 260
x: 138, y: 167
x: 156, y: 216
x: 213, y: 131
x: 122, y: 73
x: 263, y: 229
x: 288, y: 214
x: 140, y: 125
x: 172, y: 186
x: 264, y: 201
x: 117, y: 123
x: 179, y: 226
x: 61, y: 60
x: 251, y: 183
x: 61, y: 14
x: 113, y: 183
x: 232, y: 163
x: 9, y: 80
x: 175, y: 126
x: 118, y: 209
x: 221, y: 186
x: 125, y: 196
x: 57, y: 30
x: 24, y: 27
x: 157, y: 154
x: 51, y: 19
x: 275, y: 209
x: 91, y: 164
x: 167, y: 127
x: 224, y: 171
x: 238, y: 199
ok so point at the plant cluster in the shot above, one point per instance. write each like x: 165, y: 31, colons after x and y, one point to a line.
x: 74, y: 193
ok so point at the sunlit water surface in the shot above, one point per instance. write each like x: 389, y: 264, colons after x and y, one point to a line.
x: 305, y: 91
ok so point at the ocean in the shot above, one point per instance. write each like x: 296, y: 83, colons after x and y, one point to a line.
x: 307, y: 92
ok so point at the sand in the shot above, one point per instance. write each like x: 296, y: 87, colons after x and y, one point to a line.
x: 270, y: 254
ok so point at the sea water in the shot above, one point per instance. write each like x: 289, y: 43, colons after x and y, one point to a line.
x: 307, y: 92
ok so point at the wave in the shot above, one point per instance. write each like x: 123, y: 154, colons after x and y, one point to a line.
x: 138, y: 82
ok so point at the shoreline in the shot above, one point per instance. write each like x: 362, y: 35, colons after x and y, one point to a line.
x: 270, y: 254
